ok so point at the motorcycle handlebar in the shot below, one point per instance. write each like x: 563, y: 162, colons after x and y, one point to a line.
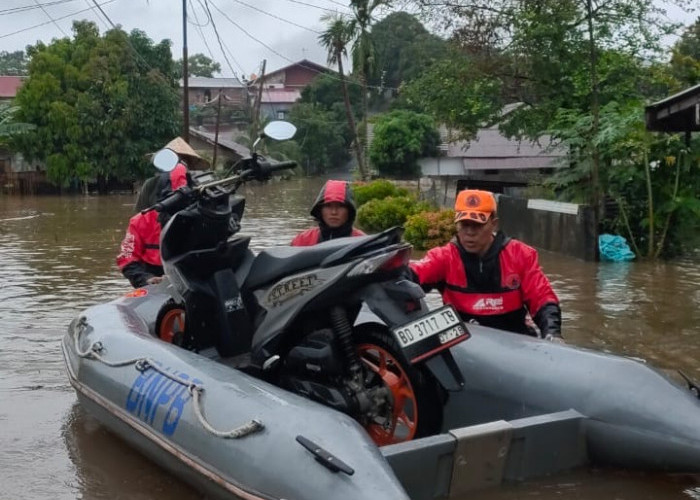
x: 267, y: 168
x: 175, y: 201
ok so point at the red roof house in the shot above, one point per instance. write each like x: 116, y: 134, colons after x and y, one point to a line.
x: 9, y: 85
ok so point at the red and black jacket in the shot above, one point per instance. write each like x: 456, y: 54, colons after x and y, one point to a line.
x: 496, y: 290
x: 139, y: 255
x: 332, y: 191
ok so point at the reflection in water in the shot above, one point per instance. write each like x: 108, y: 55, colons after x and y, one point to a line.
x: 106, y: 467
x: 57, y: 257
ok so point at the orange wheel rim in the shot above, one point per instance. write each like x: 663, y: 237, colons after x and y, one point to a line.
x: 173, y: 321
x: 403, y: 421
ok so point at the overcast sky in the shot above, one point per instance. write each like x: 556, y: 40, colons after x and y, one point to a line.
x: 280, y: 31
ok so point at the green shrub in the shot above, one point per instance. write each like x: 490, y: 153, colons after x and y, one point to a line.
x: 380, y: 214
x: 426, y: 230
x: 379, y: 189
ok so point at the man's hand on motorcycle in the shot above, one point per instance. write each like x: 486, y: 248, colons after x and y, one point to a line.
x: 154, y: 280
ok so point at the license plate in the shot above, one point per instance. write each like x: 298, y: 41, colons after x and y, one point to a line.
x: 430, y: 334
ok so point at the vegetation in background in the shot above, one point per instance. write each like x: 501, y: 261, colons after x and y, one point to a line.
x: 338, y: 35
x: 380, y: 214
x: 99, y: 104
x: 197, y: 65
x: 400, y: 139
x: 426, y: 230
x: 8, y: 125
x: 13, y: 63
x: 377, y: 189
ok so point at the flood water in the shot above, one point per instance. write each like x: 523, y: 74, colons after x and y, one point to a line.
x: 57, y: 257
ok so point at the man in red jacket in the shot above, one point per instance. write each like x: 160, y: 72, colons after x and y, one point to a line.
x: 489, y: 278
x: 335, y: 211
x: 139, y: 256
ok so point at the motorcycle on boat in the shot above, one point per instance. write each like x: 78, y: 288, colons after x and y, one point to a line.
x: 338, y: 322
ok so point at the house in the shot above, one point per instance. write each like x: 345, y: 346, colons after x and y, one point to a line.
x: 677, y: 113
x: 9, y: 85
x: 203, y: 98
x: 282, y: 88
x: 202, y: 90
x: 490, y: 161
x: 228, y: 152
x: 16, y: 174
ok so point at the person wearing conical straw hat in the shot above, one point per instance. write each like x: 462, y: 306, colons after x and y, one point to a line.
x: 139, y: 256
x: 155, y: 187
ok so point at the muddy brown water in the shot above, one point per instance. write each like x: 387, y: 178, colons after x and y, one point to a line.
x: 57, y: 257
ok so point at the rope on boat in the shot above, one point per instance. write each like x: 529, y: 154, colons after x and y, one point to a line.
x: 239, y: 432
x: 144, y: 364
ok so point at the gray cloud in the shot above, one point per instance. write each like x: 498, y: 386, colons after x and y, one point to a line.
x: 267, y: 37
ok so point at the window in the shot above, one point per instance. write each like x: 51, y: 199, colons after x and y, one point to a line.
x: 280, y: 115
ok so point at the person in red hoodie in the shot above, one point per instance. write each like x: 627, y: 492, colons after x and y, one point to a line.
x: 139, y: 256
x: 489, y: 278
x: 335, y: 211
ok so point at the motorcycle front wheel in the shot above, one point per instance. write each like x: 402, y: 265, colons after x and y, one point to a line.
x: 416, y: 408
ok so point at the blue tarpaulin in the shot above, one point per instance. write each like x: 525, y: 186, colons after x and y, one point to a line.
x: 614, y: 248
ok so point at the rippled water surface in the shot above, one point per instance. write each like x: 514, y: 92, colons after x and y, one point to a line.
x: 57, y: 257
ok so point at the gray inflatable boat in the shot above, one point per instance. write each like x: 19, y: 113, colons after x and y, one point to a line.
x: 529, y: 408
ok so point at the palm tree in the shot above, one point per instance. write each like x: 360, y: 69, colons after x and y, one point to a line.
x: 363, y: 49
x: 335, y: 39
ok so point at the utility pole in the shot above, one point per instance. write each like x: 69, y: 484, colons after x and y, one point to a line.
x: 185, y: 84
x: 256, y: 111
x: 216, y: 130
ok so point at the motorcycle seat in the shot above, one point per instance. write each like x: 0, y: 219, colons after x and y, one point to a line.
x: 276, y: 262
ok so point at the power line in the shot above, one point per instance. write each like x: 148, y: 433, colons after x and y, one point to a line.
x: 278, y: 17
x: 56, y: 19
x: 312, y: 5
x: 199, y: 27
x: 97, y: 15
x: 218, y: 38
x: 51, y: 18
x: 26, y: 8
x: 315, y: 70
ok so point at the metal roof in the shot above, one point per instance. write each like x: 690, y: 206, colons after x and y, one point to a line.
x: 9, y: 85
x: 239, y: 149
x: 490, y: 143
x: 200, y: 82
x: 677, y: 113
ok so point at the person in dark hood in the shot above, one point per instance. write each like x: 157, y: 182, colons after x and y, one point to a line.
x: 335, y: 211
x: 489, y: 278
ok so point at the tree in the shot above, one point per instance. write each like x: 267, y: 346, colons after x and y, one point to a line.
x: 456, y: 94
x: 8, y: 126
x: 13, y: 63
x: 99, y: 104
x: 403, y: 49
x: 322, y: 138
x: 685, y: 57
x: 363, y: 55
x: 400, y: 138
x: 560, y: 55
x: 198, y: 65
x: 335, y: 40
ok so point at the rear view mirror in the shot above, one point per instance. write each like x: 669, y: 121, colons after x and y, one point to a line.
x: 165, y: 160
x: 279, y: 130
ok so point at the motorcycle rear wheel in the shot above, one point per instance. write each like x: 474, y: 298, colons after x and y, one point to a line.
x: 417, y: 408
x: 170, y: 323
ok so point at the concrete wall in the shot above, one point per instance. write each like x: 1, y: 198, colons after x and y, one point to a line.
x: 563, y: 228
x: 546, y: 228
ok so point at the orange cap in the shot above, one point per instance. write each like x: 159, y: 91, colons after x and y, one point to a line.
x: 474, y: 205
